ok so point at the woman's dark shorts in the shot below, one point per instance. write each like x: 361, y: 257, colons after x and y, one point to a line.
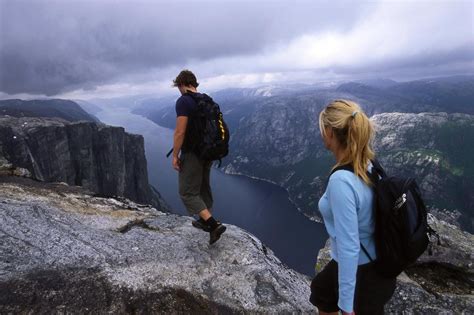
x: 372, y: 291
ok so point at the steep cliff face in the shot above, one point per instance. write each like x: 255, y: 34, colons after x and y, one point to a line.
x: 65, y: 251
x: 103, y: 159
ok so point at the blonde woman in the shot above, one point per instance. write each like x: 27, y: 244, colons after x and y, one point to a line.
x: 349, y: 282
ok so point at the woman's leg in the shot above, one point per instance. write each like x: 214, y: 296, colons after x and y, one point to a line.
x: 372, y: 291
x: 324, y: 290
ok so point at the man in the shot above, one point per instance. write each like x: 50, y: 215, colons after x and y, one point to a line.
x: 194, y: 173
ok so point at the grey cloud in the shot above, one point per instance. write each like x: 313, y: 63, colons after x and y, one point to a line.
x: 456, y: 61
x: 50, y: 47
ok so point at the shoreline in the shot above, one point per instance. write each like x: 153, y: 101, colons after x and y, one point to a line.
x: 314, y: 219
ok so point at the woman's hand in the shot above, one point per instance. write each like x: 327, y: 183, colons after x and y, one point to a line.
x: 345, y: 313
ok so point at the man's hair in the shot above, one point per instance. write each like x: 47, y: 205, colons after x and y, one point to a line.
x: 186, y: 78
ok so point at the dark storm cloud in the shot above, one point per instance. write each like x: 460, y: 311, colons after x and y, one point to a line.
x: 54, y: 47
x: 48, y: 47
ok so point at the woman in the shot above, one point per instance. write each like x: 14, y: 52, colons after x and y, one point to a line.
x: 349, y: 282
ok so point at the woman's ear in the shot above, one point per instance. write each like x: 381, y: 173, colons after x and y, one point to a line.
x: 327, y: 137
x: 329, y: 133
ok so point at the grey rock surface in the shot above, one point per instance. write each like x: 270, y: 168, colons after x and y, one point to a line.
x: 64, y: 251
x: 103, y: 159
x: 442, y: 283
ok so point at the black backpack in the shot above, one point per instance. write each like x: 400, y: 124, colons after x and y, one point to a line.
x: 207, y: 134
x: 401, y: 226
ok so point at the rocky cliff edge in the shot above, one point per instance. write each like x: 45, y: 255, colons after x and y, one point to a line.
x: 64, y: 251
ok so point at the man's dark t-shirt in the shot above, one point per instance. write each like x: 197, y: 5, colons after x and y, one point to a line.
x: 185, y: 105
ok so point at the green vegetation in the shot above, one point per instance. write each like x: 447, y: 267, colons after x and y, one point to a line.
x: 457, y: 142
x: 309, y: 168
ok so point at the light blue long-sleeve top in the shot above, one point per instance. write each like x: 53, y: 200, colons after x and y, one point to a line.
x: 346, y: 207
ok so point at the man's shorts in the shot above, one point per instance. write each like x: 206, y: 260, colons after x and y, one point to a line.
x: 194, y: 183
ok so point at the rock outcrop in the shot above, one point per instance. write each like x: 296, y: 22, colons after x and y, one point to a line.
x: 65, y: 251
x: 442, y: 283
x: 104, y: 159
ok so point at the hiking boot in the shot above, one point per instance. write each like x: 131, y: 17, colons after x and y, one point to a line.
x: 200, y: 224
x: 216, y: 233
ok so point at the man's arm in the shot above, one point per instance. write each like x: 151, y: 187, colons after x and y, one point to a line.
x: 179, y: 132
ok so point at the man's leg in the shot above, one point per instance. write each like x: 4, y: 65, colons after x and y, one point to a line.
x: 190, y: 179
x: 205, y: 214
x: 206, y: 194
x: 207, y: 223
x: 190, y: 182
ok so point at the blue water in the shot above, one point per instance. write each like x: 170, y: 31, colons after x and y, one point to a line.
x: 259, y: 207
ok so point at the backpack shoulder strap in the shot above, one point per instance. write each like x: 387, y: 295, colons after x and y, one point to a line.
x: 366, y: 252
x: 199, y: 96
x: 346, y: 167
x: 377, y: 168
x: 191, y: 94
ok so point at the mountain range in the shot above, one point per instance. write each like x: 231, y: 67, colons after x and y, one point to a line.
x: 425, y: 127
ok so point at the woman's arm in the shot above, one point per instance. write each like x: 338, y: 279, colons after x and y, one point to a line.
x: 342, y: 200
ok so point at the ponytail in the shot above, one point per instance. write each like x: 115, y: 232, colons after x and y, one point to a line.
x: 354, y: 131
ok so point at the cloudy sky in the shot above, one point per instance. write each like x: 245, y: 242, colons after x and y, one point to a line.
x: 86, y: 49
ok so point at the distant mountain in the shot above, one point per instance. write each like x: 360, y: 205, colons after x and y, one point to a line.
x: 159, y: 110
x: 379, y: 82
x: 262, y: 91
x: 162, y: 110
x: 277, y: 137
x: 450, y: 94
x: 91, y: 108
x: 132, y: 102
x: 150, y: 104
x: 64, y: 109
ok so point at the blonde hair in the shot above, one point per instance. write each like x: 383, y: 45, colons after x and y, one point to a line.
x: 354, y: 131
